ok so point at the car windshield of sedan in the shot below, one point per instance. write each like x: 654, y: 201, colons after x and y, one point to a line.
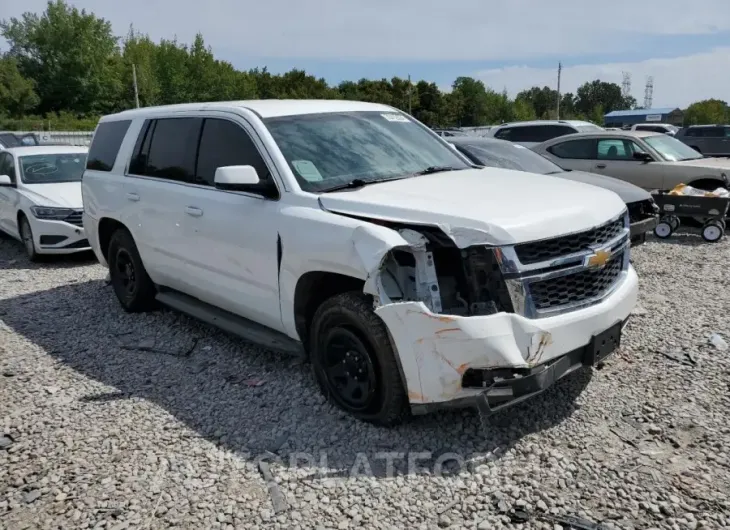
x: 329, y: 150
x: 671, y: 149
x: 510, y: 156
x: 52, y: 168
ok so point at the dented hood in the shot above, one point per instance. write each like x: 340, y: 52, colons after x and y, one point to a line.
x: 490, y: 206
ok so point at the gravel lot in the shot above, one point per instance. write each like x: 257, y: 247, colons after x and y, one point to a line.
x: 152, y: 421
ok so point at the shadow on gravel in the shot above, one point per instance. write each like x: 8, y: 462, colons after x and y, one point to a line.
x: 12, y: 256
x: 250, y: 400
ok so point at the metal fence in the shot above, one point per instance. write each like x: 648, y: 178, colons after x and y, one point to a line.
x: 82, y: 138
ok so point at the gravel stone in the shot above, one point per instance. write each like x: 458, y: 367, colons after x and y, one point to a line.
x: 107, y: 434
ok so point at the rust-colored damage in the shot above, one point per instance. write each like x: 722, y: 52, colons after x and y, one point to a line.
x: 416, y: 397
x: 545, y: 340
x: 446, y: 330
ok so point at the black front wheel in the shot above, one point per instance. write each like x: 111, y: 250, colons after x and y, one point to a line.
x: 133, y: 287
x: 354, y: 362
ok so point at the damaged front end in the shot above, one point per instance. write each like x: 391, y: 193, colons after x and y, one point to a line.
x: 476, y: 323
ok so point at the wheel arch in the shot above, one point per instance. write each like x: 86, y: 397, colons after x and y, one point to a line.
x: 107, y: 227
x: 312, y: 289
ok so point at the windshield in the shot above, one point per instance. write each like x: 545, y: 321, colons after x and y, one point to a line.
x: 509, y: 156
x: 52, y: 168
x: 671, y: 149
x: 332, y: 149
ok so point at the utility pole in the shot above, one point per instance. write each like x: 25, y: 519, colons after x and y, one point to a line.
x: 560, y: 71
x: 134, y: 79
x: 409, y: 93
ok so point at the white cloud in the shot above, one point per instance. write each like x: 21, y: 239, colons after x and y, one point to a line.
x: 677, y: 81
x: 409, y: 29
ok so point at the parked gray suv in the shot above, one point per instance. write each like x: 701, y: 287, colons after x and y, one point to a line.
x: 711, y: 140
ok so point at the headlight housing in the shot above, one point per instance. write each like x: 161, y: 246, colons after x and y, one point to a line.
x: 50, y: 213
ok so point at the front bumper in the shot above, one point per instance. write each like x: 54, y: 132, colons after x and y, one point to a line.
x: 58, y: 237
x: 437, y: 352
x: 639, y: 229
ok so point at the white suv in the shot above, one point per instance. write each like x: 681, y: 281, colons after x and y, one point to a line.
x: 531, y: 133
x: 352, y: 233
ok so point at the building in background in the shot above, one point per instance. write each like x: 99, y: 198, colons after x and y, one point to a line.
x: 627, y: 118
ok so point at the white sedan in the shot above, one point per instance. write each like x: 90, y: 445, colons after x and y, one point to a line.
x: 40, y: 198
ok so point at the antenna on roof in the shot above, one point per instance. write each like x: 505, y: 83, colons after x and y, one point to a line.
x: 648, y: 92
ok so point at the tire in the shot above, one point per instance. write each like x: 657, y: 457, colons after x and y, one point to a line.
x: 26, y: 237
x: 675, y: 222
x: 712, y: 231
x: 663, y: 229
x: 133, y: 287
x: 349, y: 341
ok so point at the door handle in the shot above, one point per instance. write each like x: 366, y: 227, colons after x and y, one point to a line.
x: 192, y: 210
x: 600, y: 166
x: 132, y: 197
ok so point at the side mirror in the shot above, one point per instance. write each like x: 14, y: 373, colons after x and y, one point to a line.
x: 643, y: 157
x: 235, y: 177
x: 5, y: 181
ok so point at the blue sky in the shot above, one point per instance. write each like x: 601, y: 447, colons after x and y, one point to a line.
x: 510, y: 44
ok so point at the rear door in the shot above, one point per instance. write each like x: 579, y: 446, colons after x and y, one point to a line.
x: 160, y: 173
x: 713, y: 140
x: 578, y: 154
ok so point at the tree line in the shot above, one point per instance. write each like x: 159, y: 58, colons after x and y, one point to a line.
x: 65, y: 67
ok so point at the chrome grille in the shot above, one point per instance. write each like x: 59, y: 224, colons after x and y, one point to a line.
x: 76, y: 218
x: 576, y: 288
x: 563, y: 274
x: 549, y: 249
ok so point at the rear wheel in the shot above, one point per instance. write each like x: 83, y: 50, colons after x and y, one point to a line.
x: 133, y: 287
x: 26, y: 236
x: 354, y: 362
x: 713, y: 231
x: 663, y: 229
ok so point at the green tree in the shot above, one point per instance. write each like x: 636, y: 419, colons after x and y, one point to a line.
x: 469, y: 102
x: 542, y: 100
x: 17, y: 96
x: 597, y: 93
x: 707, y: 111
x: 523, y: 110
x: 70, y: 56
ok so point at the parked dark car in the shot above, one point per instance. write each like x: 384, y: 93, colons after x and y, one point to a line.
x: 710, y: 140
x: 643, y: 212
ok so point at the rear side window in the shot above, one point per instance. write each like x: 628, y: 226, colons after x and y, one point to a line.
x: 105, y: 145
x: 533, y: 133
x: 224, y: 143
x: 167, y: 149
x: 713, y: 132
x: 576, y: 149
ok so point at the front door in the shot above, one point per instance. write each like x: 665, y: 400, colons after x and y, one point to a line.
x: 615, y: 158
x: 234, y: 234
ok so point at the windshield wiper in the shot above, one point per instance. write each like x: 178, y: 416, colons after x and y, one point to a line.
x: 359, y: 183
x: 438, y: 169
x: 555, y: 172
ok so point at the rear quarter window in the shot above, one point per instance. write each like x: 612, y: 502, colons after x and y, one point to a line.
x: 575, y: 149
x: 105, y: 145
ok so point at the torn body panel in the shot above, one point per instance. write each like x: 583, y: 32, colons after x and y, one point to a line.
x: 451, y: 310
x: 436, y: 350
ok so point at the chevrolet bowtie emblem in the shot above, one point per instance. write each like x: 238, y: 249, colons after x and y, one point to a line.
x: 599, y: 259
